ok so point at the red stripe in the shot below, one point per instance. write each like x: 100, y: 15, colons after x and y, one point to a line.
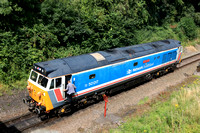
x: 124, y: 78
x: 179, y: 56
x: 58, y: 95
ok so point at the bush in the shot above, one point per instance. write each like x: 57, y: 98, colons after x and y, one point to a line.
x: 197, y: 18
x: 155, y: 33
x: 188, y: 26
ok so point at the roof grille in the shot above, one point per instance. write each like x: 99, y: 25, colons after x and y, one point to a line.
x: 129, y: 51
x: 166, y: 41
x: 111, y: 50
x: 156, y: 45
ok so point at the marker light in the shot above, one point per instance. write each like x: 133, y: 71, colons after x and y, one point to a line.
x: 39, y: 94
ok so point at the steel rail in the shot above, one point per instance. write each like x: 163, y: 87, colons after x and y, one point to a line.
x: 189, y: 60
x: 22, y: 123
x: 17, y: 118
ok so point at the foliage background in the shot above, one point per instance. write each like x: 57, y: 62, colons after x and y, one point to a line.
x: 38, y: 30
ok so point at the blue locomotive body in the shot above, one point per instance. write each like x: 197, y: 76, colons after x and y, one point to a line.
x: 122, y: 71
x: 100, y: 72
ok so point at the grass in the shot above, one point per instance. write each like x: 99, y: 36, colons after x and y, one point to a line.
x: 180, y: 113
x: 143, y: 101
x: 8, y: 89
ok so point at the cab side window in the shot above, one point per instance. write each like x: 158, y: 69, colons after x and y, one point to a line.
x: 52, y: 84
x: 58, y: 82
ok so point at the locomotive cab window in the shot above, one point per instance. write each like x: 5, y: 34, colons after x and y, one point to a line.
x: 42, y: 81
x: 92, y: 76
x: 52, y: 84
x: 34, y: 76
x: 135, y: 64
x: 58, y: 82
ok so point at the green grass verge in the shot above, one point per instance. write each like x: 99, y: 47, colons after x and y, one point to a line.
x: 181, y: 113
x: 8, y: 89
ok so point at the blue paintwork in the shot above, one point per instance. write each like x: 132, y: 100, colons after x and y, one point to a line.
x: 119, y: 70
x: 53, y: 99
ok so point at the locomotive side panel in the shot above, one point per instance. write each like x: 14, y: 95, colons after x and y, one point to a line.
x: 87, y: 81
x: 120, y: 72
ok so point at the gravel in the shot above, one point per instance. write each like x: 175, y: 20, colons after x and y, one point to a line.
x: 12, y: 105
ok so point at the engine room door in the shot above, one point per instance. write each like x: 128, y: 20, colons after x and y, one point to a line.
x: 59, y: 84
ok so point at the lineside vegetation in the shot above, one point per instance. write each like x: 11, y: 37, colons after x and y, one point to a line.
x: 178, y: 114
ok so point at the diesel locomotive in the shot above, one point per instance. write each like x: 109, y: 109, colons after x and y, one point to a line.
x: 98, y: 73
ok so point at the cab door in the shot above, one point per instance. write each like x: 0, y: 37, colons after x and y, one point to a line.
x: 59, y: 86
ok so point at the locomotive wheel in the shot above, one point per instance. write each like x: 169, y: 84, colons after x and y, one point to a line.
x: 31, y: 110
x: 64, y: 109
x: 148, y: 77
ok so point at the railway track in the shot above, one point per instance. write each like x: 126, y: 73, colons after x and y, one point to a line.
x: 189, y: 60
x: 30, y: 120
x: 20, y: 123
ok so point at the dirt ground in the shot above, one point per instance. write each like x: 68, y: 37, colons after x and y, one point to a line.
x: 91, y: 118
x: 12, y: 105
